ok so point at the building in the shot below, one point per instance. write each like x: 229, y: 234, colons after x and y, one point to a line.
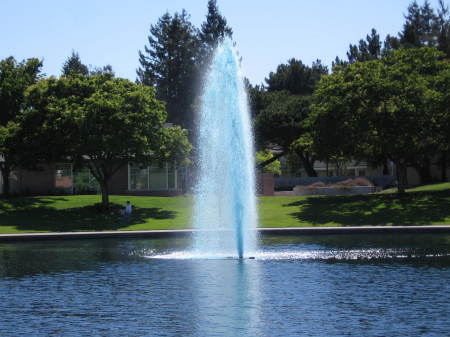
x: 132, y: 179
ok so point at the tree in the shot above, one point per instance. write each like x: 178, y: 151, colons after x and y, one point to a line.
x: 169, y: 63
x: 395, y: 108
x: 15, y: 77
x: 103, y: 123
x: 443, y: 28
x: 419, y: 28
x: 390, y: 43
x: 213, y: 30
x: 369, y: 49
x: 73, y: 65
x: 296, y: 77
x: 282, y: 107
x: 274, y: 167
x: 281, y: 123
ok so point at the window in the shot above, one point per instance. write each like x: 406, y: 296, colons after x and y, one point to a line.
x: 158, y: 177
x: 153, y: 177
x: 63, y: 177
x: 171, y: 177
x: 84, y: 181
x: 138, y: 177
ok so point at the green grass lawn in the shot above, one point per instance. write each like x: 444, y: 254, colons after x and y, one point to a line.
x: 77, y: 213
x: 432, y: 187
x: 423, y: 206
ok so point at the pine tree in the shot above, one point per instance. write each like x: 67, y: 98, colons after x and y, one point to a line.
x: 420, y: 27
x: 170, y: 62
x: 296, y: 77
x: 368, y: 49
x: 390, y: 43
x: 73, y: 65
x: 213, y: 29
x: 443, y: 28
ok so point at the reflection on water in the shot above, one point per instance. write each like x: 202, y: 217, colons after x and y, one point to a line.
x: 228, y: 297
x: 296, y: 286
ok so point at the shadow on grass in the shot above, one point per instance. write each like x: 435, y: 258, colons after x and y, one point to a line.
x: 419, y: 208
x: 36, y: 214
x: 26, y: 203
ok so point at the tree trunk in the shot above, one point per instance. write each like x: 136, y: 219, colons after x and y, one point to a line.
x: 105, y: 194
x: 308, y: 164
x: 444, y: 167
x: 402, y: 178
x: 424, y: 170
x: 6, y: 186
x: 385, y: 167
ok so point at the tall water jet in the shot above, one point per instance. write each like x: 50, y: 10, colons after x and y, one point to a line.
x: 224, y: 212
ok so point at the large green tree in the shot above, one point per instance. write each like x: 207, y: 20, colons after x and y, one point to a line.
x: 170, y: 63
x: 281, y: 123
x: 423, y: 26
x: 15, y: 77
x: 281, y: 108
x: 296, y: 77
x: 213, y: 30
x: 395, y: 107
x: 100, y: 122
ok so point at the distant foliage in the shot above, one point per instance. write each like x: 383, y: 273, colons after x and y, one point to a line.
x: 74, y: 66
x: 15, y: 77
x: 396, y: 107
x: 99, y: 122
x: 274, y: 167
x: 296, y: 77
x: 423, y: 27
x: 175, y: 58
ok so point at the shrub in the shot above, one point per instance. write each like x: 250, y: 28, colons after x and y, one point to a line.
x: 363, y: 182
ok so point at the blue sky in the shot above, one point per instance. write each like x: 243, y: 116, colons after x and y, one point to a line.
x: 267, y: 32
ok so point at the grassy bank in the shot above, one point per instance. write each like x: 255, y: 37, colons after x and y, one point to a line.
x: 77, y: 213
x: 424, y: 188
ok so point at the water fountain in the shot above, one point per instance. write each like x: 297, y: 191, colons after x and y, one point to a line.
x: 224, y: 214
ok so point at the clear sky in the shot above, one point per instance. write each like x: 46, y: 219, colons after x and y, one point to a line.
x: 267, y: 32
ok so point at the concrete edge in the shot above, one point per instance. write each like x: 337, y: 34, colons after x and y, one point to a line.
x: 263, y: 231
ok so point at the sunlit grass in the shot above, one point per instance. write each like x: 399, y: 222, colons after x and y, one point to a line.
x: 77, y: 212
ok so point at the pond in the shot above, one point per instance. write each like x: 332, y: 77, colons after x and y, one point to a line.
x: 296, y: 286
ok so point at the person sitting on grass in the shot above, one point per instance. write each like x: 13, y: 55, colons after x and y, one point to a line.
x: 126, y: 213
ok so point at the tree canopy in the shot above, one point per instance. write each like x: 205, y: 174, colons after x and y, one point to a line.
x: 213, y: 30
x: 175, y: 57
x: 396, y: 106
x: 281, y: 108
x: 100, y: 122
x: 15, y: 77
x: 169, y: 63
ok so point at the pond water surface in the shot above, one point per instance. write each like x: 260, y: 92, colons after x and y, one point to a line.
x: 296, y: 286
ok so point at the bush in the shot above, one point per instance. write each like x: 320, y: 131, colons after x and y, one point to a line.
x: 345, y: 183
x: 363, y: 182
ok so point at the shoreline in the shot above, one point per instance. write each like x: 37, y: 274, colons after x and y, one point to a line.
x: 426, y: 229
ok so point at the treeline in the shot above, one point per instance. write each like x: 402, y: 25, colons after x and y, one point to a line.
x: 175, y: 58
x: 89, y: 117
x: 387, y: 102
x: 86, y: 116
